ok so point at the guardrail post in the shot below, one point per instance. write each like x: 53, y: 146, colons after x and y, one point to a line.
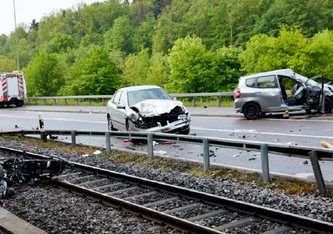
x: 317, y: 172
x: 150, y: 147
x: 193, y: 101
x: 103, y: 101
x: 89, y: 102
x: 66, y: 101
x: 55, y: 101
x: 73, y: 139
x: 265, y: 163
x: 36, y: 102
x: 77, y: 101
x: 219, y: 101
x: 108, y: 142
x: 45, y: 101
x: 29, y: 101
x: 205, y: 142
x: 41, y: 127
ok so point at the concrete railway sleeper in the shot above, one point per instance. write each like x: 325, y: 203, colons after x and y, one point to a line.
x: 177, y: 207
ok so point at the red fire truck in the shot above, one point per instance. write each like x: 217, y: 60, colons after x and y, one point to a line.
x: 12, y: 89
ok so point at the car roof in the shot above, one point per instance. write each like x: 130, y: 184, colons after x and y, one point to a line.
x: 140, y: 87
x: 283, y: 72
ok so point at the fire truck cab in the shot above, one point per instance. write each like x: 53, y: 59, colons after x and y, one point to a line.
x: 12, y: 89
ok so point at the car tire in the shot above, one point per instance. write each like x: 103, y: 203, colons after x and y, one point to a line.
x: 328, y: 105
x: 110, y: 126
x: 308, y: 111
x: 251, y: 110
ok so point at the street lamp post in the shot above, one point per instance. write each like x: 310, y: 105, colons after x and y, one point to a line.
x: 17, y: 51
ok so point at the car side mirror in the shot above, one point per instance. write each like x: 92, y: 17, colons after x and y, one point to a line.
x: 174, y: 98
x: 120, y: 106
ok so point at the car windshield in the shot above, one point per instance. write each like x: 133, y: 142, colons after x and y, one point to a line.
x: 304, y: 79
x: 146, y: 94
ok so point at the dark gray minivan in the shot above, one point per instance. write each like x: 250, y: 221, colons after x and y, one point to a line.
x: 266, y: 92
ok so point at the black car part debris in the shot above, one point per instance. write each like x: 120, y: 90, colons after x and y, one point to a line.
x: 21, y: 171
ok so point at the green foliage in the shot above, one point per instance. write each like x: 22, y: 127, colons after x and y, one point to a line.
x: 61, y: 43
x: 7, y: 65
x: 136, y: 69
x: 43, y: 75
x: 191, y: 66
x: 92, y: 75
x: 120, y: 36
x: 150, y: 42
x: 227, y: 68
x: 290, y: 49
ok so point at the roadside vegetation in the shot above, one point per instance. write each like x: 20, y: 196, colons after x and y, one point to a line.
x: 183, y: 46
x: 287, y: 186
x: 188, y: 102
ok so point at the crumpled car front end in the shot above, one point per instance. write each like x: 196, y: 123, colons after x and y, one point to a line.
x: 159, y: 116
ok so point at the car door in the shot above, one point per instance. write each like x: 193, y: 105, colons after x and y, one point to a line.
x: 115, y: 118
x: 122, y: 111
x: 268, y: 93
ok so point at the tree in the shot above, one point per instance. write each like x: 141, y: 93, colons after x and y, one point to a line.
x: 7, y: 65
x: 309, y: 15
x: 94, y: 74
x: 227, y: 68
x: 292, y: 50
x: 158, y: 72
x: 120, y: 36
x: 136, y: 69
x: 191, y: 67
x: 61, y: 43
x: 43, y: 75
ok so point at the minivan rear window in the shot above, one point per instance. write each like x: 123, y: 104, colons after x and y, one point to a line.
x: 266, y: 82
x: 250, y: 82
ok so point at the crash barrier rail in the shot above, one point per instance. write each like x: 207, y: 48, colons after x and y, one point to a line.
x: 315, y: 154
x: 103, y: 97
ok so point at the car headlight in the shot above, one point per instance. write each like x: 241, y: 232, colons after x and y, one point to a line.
x: 134, y: 117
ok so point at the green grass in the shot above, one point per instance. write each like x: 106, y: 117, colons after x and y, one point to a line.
x: 70, y: 102
x: 188, y: 102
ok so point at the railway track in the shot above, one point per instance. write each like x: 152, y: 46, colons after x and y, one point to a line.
x: 177, y: 207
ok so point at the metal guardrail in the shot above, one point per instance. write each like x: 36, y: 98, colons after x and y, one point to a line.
x: 312, y: 153
x: 103, y: 97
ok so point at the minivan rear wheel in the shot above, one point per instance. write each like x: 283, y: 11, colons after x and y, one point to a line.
x: 328, y: 105
x: 251, y: 111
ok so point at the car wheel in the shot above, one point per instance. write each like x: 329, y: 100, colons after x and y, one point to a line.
x: 308, y: 111
x: 328, y: 105
x: 251, y: 111
x: 127, y: 125
x: 110, y: 126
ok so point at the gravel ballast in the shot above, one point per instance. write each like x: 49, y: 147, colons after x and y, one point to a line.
x: 61, y: 212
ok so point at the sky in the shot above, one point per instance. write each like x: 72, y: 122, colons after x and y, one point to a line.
x: 27, y: 10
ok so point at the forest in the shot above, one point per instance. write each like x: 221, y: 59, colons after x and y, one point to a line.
x: 184, y: 46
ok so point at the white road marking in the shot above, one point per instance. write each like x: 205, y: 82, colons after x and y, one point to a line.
x: 193, y: 127
x: 241, y: 118
x: 263, y: 133
x: 54, y: 119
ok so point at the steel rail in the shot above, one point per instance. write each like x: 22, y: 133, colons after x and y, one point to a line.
x: 239, y: 206
x: 144, y: 212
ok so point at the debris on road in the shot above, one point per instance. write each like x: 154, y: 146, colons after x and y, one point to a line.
x: 250, y: 159
x: 326, y: 144
x: 97, y: 152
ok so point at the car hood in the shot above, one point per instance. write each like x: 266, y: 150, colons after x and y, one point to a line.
x: 150, y: 108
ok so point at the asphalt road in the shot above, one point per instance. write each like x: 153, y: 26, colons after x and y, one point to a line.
x: 205, y: 122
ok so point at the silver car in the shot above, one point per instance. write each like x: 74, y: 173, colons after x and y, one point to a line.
x: 147, y: 108
x: 266, y: 92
